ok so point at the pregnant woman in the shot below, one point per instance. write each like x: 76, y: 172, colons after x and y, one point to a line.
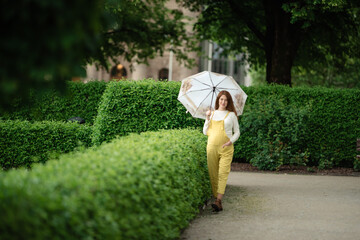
x: 222, y: 129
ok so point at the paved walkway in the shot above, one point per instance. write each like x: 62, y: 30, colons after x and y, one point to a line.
x: 279, y: 206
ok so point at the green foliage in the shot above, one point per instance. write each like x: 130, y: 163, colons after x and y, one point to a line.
x: 81, y: 100
x: 316, y: 126
x: 139, y: 30
x: 138, y: 107
x: 326, y: 74
x: 334, y: 124
x: 357, y: 164
x: 44, y: 43
x: 276, y: 130
x: 23, y: 143
x: 271, y: 31
x: 293, y: 126
x: 258, y: 75
x: 296, y: 126
x: 329, y: 74
x: 145, y: 186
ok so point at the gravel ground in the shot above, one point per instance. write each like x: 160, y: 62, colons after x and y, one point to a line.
x: 282, y: 206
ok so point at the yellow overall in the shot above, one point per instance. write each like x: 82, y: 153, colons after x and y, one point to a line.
x: 218, y: 158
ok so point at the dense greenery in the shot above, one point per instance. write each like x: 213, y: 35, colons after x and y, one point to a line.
x: 44, y: 43
x: 357, y: 163
x: 281, y: 34
x: 275, y: 133
x: 328, y: 74
x: 280, y: 125
x: 284, y: 125
x: 145, y: 186
x: 138, y: 107
x: 316, y: 126
x: 23, y: 143
x: 81, y: 100
x: 139, y: 30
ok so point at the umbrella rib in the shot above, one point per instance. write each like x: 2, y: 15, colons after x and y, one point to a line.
x: 228, y: 88
x: 213, y: 95
x: 201, y: 103
x: 194, y: 91
x: 221, y: 81
x: 211, y: 100
x: 211, y: 79
x: 202, y: 82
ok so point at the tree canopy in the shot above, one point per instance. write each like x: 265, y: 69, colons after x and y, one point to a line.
x: 140, y: 30
x: 45, y: 43
x: 282, y: 34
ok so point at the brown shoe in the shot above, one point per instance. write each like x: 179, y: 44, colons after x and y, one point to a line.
x: 217, y: 206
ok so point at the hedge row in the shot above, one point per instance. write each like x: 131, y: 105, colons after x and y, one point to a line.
x: 140, y: 106
x: 23, y: 143
x: 280, y: 125
x: 300, y: 126
x: 157, y: 180
x: 81, y: 100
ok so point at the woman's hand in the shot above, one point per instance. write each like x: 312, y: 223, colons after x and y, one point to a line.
x: 208, y: 113
x: 227, y: 144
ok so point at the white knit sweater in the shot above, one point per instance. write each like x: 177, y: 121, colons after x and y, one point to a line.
x: 231, y: 124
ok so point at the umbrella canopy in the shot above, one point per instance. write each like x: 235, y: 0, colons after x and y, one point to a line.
x: 198, y: 92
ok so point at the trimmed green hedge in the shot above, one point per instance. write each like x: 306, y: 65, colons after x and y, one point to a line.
x: 280, y: 125
x: 300, y: 126
x: 139, y: 106
x: 145, y: 186
x: 23, y: 143
x: 81, y: 100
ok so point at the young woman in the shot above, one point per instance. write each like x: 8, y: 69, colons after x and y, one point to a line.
x: 222, y: 129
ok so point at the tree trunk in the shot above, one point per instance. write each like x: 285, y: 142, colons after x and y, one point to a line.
x: 282, y: 44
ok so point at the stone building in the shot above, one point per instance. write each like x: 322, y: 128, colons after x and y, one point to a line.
x: 167, y: 67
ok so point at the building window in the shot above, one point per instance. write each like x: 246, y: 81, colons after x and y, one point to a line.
x: 163, y: 74
x: 221, y: 63
x: 118, y: 72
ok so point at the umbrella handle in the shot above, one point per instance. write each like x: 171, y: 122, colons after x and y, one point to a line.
x: 212, y: 97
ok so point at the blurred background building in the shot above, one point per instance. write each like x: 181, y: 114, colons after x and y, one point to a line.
x: 166, y: 67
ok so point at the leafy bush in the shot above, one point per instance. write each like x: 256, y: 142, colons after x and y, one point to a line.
x: 46, y: 42
x: 145, y: 186
x: 318, y: 125
x: 312, y: 126
x: 23, y: 143
x: 81, y: 100
x: 277, y: 133
x: 138, y: 107
x: 357, y: 163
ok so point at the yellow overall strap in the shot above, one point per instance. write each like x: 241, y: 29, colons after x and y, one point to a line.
x: 212, y: 114
x: 226, y: 115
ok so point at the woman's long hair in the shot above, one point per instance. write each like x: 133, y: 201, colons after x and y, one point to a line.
x: 230, y: 106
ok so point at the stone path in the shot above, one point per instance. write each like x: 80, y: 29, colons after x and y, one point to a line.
x: 282, y: 206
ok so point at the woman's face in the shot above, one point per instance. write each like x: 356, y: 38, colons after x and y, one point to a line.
x: 223, y: 102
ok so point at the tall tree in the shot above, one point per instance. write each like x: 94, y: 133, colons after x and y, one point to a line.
x: 143, y: 29
x: 280, y: 33
x: 46, y: 43
x: 43, y: 43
